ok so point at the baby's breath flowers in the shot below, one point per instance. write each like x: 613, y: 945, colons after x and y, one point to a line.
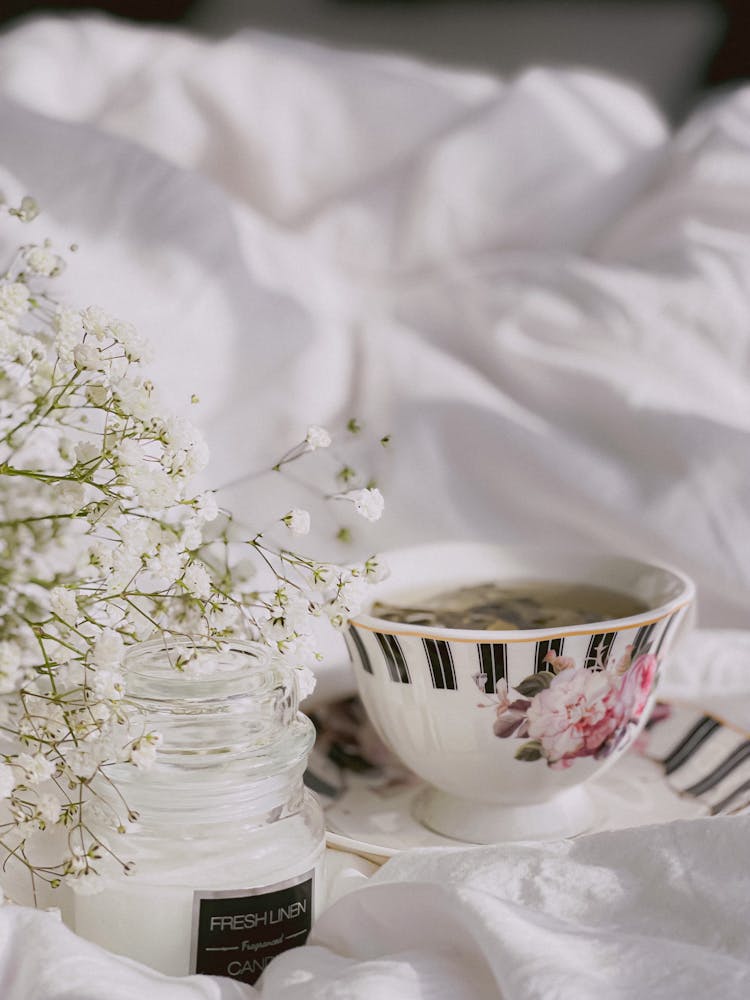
x: 298, y: 521
x: 368, y: 502
x: 102, y: 545
x: 317, y: 437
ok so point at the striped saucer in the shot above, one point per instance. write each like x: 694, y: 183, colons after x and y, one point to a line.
x: 686, y: 764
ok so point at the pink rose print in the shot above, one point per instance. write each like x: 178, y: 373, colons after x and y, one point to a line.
x: 638, y: 683
x: 571, y: 711
x: 558, y: 663
x: 575, y: 715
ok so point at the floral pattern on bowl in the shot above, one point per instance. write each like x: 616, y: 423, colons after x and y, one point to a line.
x: 569, y: 711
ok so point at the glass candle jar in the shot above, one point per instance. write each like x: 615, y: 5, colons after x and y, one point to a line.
x: 228, y: 847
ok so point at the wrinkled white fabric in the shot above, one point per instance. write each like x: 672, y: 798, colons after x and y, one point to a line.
x: 40, y: 959
x: 621, y: 915
x: 545, y: 298
x: 657, y: 912
x: 537, y: 290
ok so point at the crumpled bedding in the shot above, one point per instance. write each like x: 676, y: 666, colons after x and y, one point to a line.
x: 543, y: 295
x: 535, y: 288
x: 658, y: 912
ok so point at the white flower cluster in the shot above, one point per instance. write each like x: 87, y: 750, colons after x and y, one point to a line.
x: 102, y: 544
x: 368, y: 503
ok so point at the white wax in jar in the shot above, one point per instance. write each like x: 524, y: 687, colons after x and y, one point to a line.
x: 148, y: 916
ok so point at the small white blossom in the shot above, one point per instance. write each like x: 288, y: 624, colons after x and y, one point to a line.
x: 42, y: 261
x: 69, y: 675
x: 28, y: 209
x: 168, y: 561
x: 192, y: 537
x: 125, y: 566
x: 297, y: 610
x: 88, y: 356
x: 298, y: 521
x: 100, y: 712
x: 41, y: 375
x: 49, y: 808
x: 133, y: 343
x: 72, y: 496
x: 77, y: 863
x: 63, y: 603
x: 10, y: 666
x: 109, y: 684
x: 186, y: 451
x: 143, y: 751
x: 317, y: 437
x: 83, y: 763
x: 323, y: 574
x: 135, y: 398
x: 195, y: 459
x: 180, y: 434
x: 66, y: 449
x: 306, y: 682
x: 375, y: 570
x: 349, y: 598
x: 68, y: 333
x: 108, y: 649
x: 14, y: 299
x: 140, y: 621
x: 86, y: 451
x: 37, y: 768
x: 139, y: 536
x: 225, y: 617
x: 130, y: 455
x: 207, y: 506
x: 7, y: 781
x: 29, y: 350
x: 95, y: 322
x: 156, y: 490
x: 143, y: 756
x: 197, y: 581
x: 101, y: 557
x: 96, y: 394
x: 368, y: 503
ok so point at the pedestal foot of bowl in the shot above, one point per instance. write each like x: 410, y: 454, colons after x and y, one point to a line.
x: 566, y: 814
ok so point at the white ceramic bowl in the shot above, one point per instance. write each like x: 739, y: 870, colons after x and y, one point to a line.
x: 506, y: 727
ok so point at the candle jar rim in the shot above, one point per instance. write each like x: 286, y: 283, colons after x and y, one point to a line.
x: 235, y: 668
x: 237, y: 702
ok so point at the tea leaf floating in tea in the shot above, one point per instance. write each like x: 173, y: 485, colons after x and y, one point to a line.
x: 525, y: 604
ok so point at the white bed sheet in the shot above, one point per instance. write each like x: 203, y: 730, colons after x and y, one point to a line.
x: 542, y: 294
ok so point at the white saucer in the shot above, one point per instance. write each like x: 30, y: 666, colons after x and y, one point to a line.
x: 373, y: 813
x: 368, y: 820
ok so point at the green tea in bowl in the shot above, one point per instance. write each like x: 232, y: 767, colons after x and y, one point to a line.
x: 526, y: 604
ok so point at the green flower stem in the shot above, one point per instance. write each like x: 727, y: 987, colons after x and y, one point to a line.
x: 16, y: 522
x: 30, y: 422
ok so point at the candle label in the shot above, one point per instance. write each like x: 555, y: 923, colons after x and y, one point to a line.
x: 236, y: 933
